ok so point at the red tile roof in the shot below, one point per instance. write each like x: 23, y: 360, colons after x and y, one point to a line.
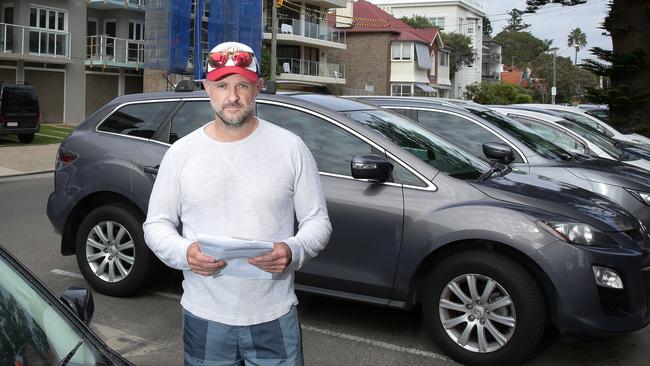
x: 368, y: 18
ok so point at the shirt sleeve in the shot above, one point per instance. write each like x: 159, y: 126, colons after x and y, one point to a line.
x: 163, y: 217
x: 314, y: 227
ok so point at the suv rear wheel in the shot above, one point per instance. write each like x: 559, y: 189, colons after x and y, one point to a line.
x: 483, y: 308
x: 26, y: 138
x: 111, y: 251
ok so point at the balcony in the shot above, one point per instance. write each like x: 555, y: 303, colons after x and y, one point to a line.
x: 306, y: 70
x: 115, y: 52
x: 34, y: 44
x: 296, y: 31
x: 117, y: 4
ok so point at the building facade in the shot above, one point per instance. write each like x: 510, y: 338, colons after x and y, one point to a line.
x: 492, y: 67
x: 459, y: 16
x: 64, y: 48
x: 305, y: 40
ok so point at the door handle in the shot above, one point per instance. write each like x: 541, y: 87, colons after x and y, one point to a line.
x: 151, y: 169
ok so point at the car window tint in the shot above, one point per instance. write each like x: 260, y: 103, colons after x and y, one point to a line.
x: 19, y: 100
x: 460, y: 130
x: 140, y: 120
x: 331, y: 146
x: 404, y: 176
x: 404, y: 112
x: 189, y: 117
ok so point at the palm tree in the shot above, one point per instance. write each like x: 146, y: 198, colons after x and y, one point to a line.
x: 578, y: 40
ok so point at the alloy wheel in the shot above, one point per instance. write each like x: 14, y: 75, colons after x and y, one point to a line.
x: 110, y: 251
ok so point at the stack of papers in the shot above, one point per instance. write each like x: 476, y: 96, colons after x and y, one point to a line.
x: 236, y: 252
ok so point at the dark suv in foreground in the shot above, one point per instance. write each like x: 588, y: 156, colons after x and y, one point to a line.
x: 492, y: 255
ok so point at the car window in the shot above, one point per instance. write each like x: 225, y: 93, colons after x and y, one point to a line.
x: 404, y: 112
x: 32, y: 331
x: 586, y: 121
x: 19, y: 100
x: 331, y: 146
x: 554, y: 135
x: 603, y: 142
x: 190, y: 116
x: 422, y: 143
x: 140, y: 120
x: 460, y: 130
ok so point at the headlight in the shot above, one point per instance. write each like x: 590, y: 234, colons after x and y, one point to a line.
x: 644, y: 197
x: 578, y: 233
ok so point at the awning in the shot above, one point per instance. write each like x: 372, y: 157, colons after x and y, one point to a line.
x: 425, y: 87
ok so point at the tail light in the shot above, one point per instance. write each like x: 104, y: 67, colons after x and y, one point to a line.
x: 64, y: 158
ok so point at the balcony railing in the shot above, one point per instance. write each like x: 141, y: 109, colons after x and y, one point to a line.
x: 307, y: 29
x: 18, y: 39
x: 311, y: 68
x: 122, y: 3
x: 104, y: 49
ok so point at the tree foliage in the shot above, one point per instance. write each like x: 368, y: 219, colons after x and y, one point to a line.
x: 516, y: 22
x: 523, y: 46
x: 462, y: 52
x: 497, y: 93
x: 578, y: 40
x: 418, y: 21
x: 571, y: 80
x: 487, y: 27
x: 533, y: 5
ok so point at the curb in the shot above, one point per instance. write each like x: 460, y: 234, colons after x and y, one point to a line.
x: 26, y: 174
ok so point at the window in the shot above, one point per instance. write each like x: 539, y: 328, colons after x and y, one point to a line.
x: 331, y: 146
x: 470, y: 29
x: 554, y: 135
x: 459, y: 130
x: 136, y: 49
x: 439, y: 22
x: 50, y: 39
x: 190, y: 116
x: 401, y: 89
x: 444, y: 58
x: 401, y: 51
x: 140, y: 120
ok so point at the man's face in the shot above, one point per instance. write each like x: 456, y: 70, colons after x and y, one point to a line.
x: 233, y: 98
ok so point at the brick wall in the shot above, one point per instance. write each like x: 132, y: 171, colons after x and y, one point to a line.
x: 366, y: 60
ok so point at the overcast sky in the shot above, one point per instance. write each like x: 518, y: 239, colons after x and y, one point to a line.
x: 555, y: 22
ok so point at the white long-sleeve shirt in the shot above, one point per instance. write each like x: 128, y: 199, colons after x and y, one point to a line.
x: 250, y: 188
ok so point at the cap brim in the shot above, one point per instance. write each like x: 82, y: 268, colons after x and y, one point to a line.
x: 229, y: 70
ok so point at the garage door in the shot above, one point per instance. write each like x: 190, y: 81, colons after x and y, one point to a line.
x: 49, y: 87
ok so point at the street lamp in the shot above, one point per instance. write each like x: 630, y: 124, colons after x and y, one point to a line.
x: 553, y: 88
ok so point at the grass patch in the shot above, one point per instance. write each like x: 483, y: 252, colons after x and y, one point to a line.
x: 48, y: 134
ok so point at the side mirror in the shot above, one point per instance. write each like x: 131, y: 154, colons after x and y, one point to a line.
x: 80, y: 301
x: 499, y: 152
x: 371, y: 166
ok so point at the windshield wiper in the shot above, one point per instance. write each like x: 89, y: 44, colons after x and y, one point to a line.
x: 495, y: 168
x: 69, y: 356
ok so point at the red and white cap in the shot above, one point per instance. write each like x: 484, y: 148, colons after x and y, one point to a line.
x: 250, y: 72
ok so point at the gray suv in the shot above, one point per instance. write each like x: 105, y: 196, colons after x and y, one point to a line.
x: 493, y: 256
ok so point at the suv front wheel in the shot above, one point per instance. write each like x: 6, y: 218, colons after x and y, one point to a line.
x: 111, y: 251
x: 483, y: 308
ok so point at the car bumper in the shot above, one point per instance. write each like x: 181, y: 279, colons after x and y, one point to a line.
x: 6, y: 130
x: 582, y: 307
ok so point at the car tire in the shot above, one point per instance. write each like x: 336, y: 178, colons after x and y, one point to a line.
x: 111, y: 252
x: 510, y: 319
x: 26, y: 138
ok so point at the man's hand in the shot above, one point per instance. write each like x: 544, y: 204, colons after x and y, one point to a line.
x: 200, y: 263
x: 276, y: 261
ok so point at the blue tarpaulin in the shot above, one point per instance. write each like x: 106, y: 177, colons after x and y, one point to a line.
x: 179, y: 35
x: 238, y: 21
x: 198, y: 55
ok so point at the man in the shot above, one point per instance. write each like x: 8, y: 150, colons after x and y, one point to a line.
x: 238, y: 176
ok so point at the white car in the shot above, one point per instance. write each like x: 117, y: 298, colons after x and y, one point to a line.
x: 582, y: 116
x: 571, y: 136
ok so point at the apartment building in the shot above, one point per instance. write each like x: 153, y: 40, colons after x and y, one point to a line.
x: 459, y: 16
x: 492, y: 67
x: 305, y: 40
x: 77, y: 54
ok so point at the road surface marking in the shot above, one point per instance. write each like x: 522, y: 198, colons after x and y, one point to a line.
x: 66, y: 273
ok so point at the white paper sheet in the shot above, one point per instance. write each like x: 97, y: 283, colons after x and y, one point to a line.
x: 235, y: 252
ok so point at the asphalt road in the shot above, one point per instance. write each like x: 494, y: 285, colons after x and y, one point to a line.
x: 147, y: 330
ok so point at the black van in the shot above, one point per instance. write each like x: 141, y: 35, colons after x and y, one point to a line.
x: 19, y: 111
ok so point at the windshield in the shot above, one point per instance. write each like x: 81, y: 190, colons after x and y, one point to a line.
x: 430, y: 148
x: 527, y: 136
x: 34, y: 332
x: 594, y: 137
x: 583, y: 121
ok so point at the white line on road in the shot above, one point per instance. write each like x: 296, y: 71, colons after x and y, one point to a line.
x: 66, y: 273
x: 372, y: 342
x: 331, y: 333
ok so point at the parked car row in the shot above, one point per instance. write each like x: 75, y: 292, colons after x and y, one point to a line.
x: 497, y: 232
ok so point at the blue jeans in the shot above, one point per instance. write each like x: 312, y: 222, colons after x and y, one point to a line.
x: 208, y: 343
